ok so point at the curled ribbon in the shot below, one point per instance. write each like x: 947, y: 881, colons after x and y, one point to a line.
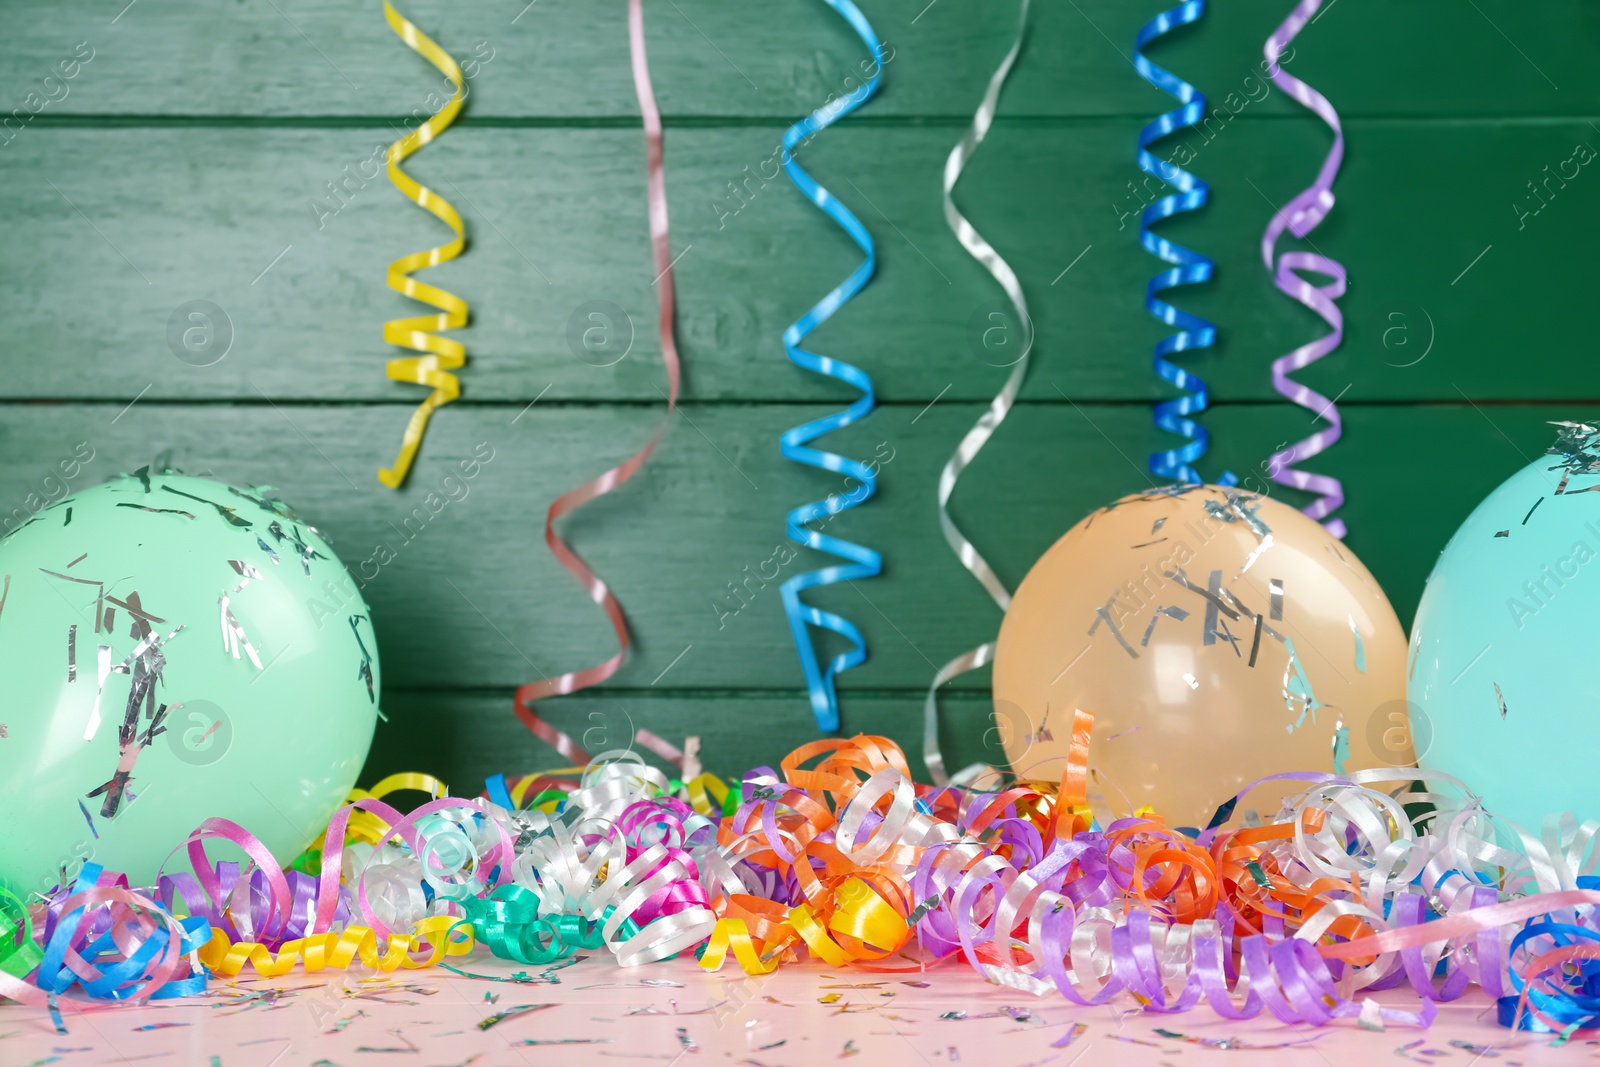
x: 598, y: 591
x: 1188, y: 268
x: 1298, y: 917
x: 980, y: 250
x: 102, y: 941
x: 443, y: 354
x: 794, y: 444
x: 837, y: 855
x: 1300, y: 216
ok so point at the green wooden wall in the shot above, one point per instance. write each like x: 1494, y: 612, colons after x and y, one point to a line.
x: 186, y: 157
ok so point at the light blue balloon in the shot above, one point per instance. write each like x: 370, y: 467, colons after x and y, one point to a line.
x: 1503, y: 650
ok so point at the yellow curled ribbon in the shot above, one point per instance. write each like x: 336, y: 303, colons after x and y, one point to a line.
x: 364, y: 825
x: 870, y: 926
x: 734, y: 934
x: 323, y: 951
x: 444, y: 354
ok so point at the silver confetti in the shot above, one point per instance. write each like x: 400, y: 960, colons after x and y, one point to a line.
x: 233, y: 635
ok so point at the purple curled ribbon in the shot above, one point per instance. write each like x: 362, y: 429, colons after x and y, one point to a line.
x: 1300, y: 216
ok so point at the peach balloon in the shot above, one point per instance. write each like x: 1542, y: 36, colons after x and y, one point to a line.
x: 1218, y: 636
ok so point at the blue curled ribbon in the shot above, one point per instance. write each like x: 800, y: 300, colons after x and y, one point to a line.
x: 1577, y: 1003
x: 1189, y: 268
x: 121, y: 977
x: 864, y: 563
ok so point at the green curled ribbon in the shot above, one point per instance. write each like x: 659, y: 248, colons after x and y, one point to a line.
x: 19, y: 953
x: 508, y: 921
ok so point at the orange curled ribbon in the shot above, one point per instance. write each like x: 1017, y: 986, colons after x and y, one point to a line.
x: 443, y: 354
x: 852, y: 912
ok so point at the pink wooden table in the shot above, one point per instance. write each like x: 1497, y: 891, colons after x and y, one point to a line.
x: 595, y: 1013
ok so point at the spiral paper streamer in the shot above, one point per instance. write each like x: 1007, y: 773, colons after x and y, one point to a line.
x: 1300, y: 216
x: 863, y: 562
x: 444, y: 355
x: 999, y: 407
x: 599, y: 592
x: 1189, y: 268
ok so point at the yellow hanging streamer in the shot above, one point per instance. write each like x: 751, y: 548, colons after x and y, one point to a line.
x: 444, y: 355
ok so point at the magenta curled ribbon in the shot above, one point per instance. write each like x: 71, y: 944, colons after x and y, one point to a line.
x: 1300, y: 216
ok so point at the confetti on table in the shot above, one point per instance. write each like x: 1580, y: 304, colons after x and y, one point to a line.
x: 564, y: 1041
x: 829, y: 998
x: 1229, y: 1043
x: 160, y: 1026
x: 686, y: 1041
x: 510, y: 1013
x: 849, y: 1050
x: 340, y: 1024
x: 1077, y: 1030
x: 55, y: 1015
x: 409, y: 1046
x: 1487, y: 1051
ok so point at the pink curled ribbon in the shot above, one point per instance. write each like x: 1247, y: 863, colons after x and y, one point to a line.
x: 599, y: 592
x: 1300, y: 216
x: 102, y: 942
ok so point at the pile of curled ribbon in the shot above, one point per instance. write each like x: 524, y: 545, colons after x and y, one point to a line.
x: 837, y: 856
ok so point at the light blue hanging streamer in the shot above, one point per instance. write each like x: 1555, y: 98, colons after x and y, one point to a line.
x: 1189, y: 268
x: 863, y: 562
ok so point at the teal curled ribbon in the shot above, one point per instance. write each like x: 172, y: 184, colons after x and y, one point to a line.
x: 509, y: 922
x: 1188, y: 267
x: 862, y: 562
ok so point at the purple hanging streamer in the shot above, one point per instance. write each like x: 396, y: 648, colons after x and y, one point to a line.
x: 1300, y: 216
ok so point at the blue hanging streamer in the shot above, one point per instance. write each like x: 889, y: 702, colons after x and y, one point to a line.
x: 1189, y: 268
x: 862, y: 562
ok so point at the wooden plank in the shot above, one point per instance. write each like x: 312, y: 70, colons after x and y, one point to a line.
x: 465, y: 736
x: 568, y: 59
x: 556, y: 219
x: 471, y: 597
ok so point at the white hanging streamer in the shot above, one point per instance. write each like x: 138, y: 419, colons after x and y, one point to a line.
x: 991, y: 419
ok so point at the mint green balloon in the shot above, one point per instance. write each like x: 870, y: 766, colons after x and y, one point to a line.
x: 172, y: 649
